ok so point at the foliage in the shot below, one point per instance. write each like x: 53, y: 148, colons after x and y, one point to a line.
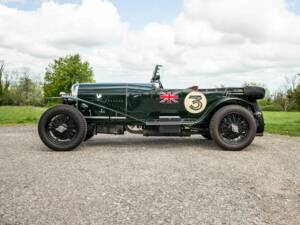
x: 64, y: 72
x: 272, y: 107
x: 285, y: 99
x: 20, y: 114
x: 295, y: 94
x: 1, y: 75
x: 4, y: 82
x: 19, y: 89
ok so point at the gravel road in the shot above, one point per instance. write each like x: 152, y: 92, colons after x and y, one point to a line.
x: 136, y: 180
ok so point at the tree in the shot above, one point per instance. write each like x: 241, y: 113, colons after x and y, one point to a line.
x: 289, y: 87
x: 280, y: 97
x: 4, y: 83
x: 297, y: 94
x: 27, y: 91
x: 64, y: 72
x: 20, y: 89
x: 294, y: 95
x: 1, y: 75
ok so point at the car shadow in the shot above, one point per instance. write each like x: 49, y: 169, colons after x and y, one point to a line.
x: 152, y: 142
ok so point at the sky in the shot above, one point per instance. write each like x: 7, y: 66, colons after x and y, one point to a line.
x: 136, y: 12
x: 199, y: 42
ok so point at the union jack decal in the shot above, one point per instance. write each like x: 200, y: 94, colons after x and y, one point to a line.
x: 168, y: 97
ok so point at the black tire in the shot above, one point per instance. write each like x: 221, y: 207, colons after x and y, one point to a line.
x: 207, y: 136
x: 62, y: 128
x: 89, y: 135
x: 233, y: 127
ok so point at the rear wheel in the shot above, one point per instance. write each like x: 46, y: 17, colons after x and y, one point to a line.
x: 233, y: 127
x: 62, y: 128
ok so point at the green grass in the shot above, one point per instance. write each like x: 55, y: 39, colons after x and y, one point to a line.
x: 20, y: 114
x: 286, y: 123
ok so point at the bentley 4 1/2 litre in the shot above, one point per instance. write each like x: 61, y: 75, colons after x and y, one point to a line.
x: 230, y: 117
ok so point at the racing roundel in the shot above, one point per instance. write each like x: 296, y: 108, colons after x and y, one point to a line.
x: 195, y: 102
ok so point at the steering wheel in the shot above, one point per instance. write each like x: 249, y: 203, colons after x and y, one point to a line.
x: 156, y: 77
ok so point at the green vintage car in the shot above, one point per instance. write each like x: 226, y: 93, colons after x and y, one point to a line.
x: 230, y: 117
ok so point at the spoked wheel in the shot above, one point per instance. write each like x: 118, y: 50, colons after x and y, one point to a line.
x: 233, y: 127
x: 62, y: 127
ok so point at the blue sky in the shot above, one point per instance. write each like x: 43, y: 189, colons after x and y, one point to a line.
x: 140, y: 12
x: 136, y: 12
x: 294, y: 5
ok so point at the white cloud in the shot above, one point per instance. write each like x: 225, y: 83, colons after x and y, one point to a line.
x: 259, y: 21
x: 239, y: 37
x: 53, y: 29
x: 210, y: 42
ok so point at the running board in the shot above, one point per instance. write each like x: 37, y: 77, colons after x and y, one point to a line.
x: 169, y: 123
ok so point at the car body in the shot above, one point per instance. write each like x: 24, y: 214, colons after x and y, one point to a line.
x: 151, y: 110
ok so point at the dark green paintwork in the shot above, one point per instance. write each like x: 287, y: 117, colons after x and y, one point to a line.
x: 141, y: 102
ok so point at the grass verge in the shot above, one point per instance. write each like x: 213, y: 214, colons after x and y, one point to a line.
x: 286, y: 123
x: 10, y: 115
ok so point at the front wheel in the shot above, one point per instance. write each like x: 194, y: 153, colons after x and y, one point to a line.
x: 233, y: 127
x: 62, y: 128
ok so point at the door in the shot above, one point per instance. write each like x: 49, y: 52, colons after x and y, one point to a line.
x: 169, y: 102
x: 139, y: 102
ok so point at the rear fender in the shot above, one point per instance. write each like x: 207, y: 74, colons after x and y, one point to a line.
x: 215, y: 106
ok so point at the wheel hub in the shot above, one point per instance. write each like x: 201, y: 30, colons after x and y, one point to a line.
x: 62, y: 128
x: 235, y: 128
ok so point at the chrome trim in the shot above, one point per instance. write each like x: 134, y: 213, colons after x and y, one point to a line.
x: 106, y: 117
x: 169, y: 117
x: 168, y: 123
x: 74, y: 90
